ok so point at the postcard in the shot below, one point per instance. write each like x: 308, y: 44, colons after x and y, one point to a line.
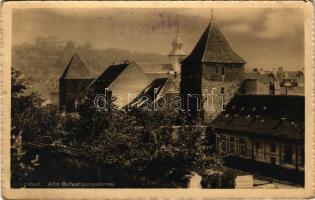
x: 157, y: 99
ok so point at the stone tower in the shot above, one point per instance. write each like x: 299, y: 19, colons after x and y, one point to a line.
x: 73, y: 81
x: 211, y: 66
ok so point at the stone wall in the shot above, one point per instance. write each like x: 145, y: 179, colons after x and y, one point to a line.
x: 213, y: 71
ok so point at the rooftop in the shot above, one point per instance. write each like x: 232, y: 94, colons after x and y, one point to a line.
x: 266, y: 115
x: 76, y: 69
x: 212, y: 47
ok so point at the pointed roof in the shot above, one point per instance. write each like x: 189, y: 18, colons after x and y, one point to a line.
x: 76, y: 69
x: 212, y: 47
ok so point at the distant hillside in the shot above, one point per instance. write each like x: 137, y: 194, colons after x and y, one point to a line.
x: 43, y: 62
x: 48, y: 57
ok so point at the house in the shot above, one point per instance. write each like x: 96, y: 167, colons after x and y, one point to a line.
x: 277, y: 82
x: 266, y: 129
x: 262, y: 82
x: 211, y: 64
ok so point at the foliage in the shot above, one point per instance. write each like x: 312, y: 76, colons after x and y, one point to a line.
x: 218, y: 179
x: 158, y: 148
x: 24, y: 110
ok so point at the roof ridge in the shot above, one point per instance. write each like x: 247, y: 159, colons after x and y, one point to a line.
x: 77, y: 63
x: 208, y: 38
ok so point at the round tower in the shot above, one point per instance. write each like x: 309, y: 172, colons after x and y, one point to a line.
x: 177, y: 54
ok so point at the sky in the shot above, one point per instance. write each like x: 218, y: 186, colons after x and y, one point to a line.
x: 265, y: 38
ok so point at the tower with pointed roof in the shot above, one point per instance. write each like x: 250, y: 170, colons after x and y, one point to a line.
x: 177, y: 54
x: 211, y: 64
x: 72, y: 82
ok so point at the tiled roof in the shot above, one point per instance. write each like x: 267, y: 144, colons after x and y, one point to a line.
x: 264, y: 115
x: 212, y: 47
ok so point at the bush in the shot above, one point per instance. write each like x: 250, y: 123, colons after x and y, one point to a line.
x: 217, y: 179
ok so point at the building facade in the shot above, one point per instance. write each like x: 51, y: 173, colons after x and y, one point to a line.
x: 263, y: 128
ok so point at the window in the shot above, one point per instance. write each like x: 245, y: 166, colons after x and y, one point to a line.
x: 222, y: 70
x: 288, y: 151
x: 232, y: 145
x: 243, y: 146
x: 223, y: 143
x: 273, y: 147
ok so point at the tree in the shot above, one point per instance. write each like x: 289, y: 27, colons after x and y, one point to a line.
x: 23, y: 109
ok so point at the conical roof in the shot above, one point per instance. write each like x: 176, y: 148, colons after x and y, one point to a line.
x: 76, y: 69
x: 212, y: 47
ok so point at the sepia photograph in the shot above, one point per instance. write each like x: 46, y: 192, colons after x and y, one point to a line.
x: 165, y: 97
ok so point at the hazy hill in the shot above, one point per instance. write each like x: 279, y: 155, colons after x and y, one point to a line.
x: 48, y: 56
x: 43, y: 62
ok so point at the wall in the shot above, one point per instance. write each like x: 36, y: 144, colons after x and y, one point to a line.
x: 259, y: 149
x: 213, y: 99
x: 69, y: 90
x: 213, y: 71
x: 191, y: 84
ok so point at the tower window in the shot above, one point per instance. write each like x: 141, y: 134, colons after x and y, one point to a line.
x: 223, y: 70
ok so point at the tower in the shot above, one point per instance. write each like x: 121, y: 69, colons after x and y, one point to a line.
x: 177, y: 54
x: 73, y: 81
x: 211, y: 64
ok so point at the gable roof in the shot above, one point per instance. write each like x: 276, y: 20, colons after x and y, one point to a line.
x: 76, y: 69
x: 212, y: 47
x: 110, y: 74
x: 267, y: 115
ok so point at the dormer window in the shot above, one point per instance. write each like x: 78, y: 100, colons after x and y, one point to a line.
x: 254, y: 108
x: 265, y: 108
